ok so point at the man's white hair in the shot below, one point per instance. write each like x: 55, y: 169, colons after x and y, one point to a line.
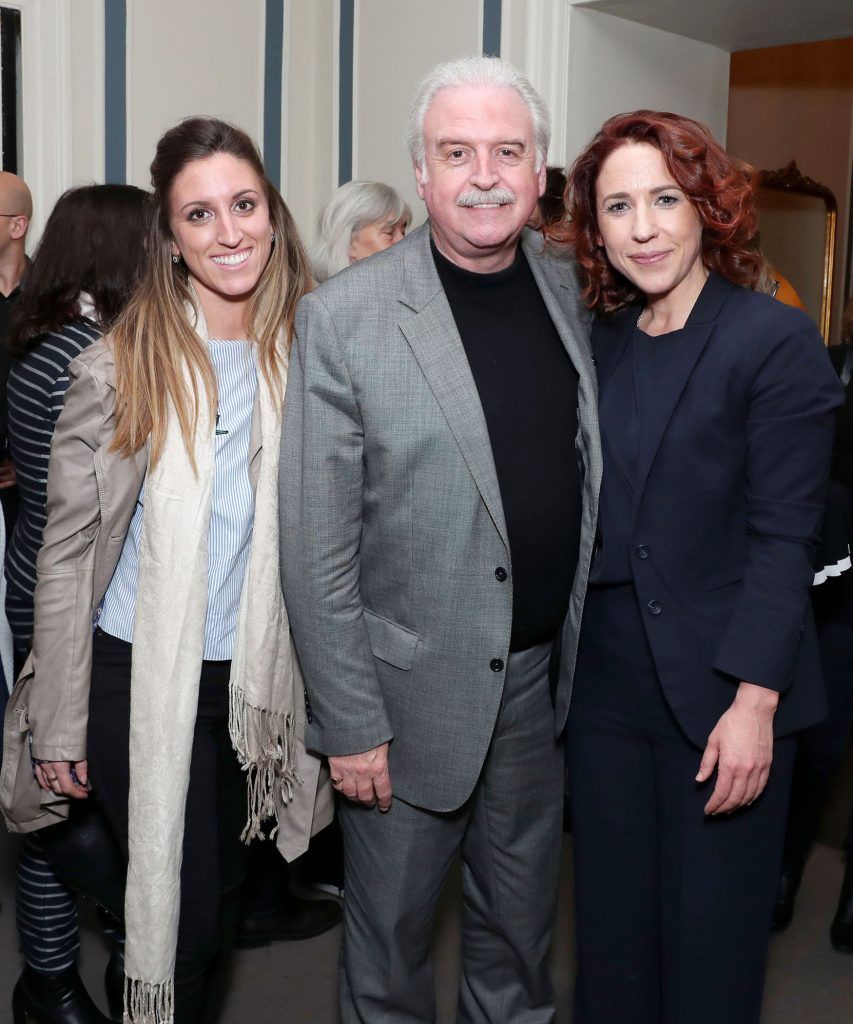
x: 475, y: 71
x: 350, y: 208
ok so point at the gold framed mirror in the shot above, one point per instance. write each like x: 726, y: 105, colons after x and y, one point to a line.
x: 797, y: 221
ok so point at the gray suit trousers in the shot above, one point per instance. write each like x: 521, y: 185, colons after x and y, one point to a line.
x: 509, y: 832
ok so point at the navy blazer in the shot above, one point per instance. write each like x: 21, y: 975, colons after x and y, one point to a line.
x: 731, y: 475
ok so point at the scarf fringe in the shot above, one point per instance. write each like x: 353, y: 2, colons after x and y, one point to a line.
x: 265, y: 742
x: 147, y: 1002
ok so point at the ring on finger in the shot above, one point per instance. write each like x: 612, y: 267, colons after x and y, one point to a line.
x: 337, y: 782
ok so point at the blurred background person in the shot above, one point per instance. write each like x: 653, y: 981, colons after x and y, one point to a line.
x: 360, y: 218
x: 551, y: 205
x: 822, y: 748
x: 83, y: 273
x: 16, y: 209
x: 774, y: 283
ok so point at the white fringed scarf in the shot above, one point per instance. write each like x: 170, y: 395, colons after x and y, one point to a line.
x: 168, y: 642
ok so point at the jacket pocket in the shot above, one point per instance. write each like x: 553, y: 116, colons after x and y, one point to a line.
x: 20, y: 796
x: 390, y: 642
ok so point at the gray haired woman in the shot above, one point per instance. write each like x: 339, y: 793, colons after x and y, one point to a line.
x: 360, y: 218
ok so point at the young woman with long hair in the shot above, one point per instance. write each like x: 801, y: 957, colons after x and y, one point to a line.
x: 163, y: 531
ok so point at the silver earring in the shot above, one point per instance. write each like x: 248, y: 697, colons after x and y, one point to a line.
x: 176, y: 259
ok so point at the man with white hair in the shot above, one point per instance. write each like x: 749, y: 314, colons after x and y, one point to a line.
x: 440, y: 471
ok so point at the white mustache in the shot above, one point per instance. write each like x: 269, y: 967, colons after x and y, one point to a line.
x: 477, y: 197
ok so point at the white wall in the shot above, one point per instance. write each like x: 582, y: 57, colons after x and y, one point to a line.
x: 87, y: 91
x: 183, y: 58
x: 309, y: 132
x: 616, y: 65
x: 207, y: 56
x: 395, y: 45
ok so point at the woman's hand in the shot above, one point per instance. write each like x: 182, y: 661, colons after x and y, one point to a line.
x: 741, y: 747
x: 64, y: 778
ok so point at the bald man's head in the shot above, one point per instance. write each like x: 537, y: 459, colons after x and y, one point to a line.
x: 16, y: 209
x: 15, y: 196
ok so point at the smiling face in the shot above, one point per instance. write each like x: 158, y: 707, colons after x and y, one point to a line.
x: 220, y: 223
x: 479, y: 179
x: 650, y: 230
x: 376, y: 237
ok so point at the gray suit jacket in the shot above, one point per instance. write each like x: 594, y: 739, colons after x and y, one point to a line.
x: 392, y: 524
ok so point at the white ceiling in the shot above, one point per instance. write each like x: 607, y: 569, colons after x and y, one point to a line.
x: 737, y: 24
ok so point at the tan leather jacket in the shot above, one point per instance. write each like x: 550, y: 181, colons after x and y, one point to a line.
x: 91, y: 495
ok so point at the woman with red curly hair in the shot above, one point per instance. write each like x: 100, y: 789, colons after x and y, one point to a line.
x: 698, y: 661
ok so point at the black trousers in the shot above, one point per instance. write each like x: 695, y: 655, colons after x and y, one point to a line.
x: 673, y: 908
x: 823, y: 747
x: 214, y: 859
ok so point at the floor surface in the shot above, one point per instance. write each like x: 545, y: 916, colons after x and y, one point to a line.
x: 296, y: 983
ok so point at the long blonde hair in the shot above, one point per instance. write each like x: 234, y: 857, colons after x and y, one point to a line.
x: 154, y: 340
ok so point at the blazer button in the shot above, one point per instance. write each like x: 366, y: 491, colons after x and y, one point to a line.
x: 641, y: 551
x: 496, y: 665
x: 654, y: 607
x: 500, y: 574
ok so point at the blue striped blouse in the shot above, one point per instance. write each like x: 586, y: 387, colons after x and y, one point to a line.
x: 36, y: 392
x: 231, y: 517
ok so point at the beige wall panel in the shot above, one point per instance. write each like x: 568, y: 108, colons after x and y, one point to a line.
x: 396, y: 44
x: 514, y: 30
x: 87, y: 91
x: 191, y: 58
x: 308, y: 137
x: 616, y: 65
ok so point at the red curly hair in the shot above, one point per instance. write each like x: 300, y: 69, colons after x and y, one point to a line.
x: 720, y: 189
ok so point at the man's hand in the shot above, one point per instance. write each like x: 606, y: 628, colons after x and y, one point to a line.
x: 741, y: 746
x: 63, y: 777
x: 363, y: 777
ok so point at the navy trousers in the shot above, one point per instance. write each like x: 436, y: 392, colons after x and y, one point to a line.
x: 673, y: 908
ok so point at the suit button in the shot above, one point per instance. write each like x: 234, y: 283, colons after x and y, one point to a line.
x: 500, y: 574
x: 496, y: 665
x: 641, y: 551
x: 654, y: 607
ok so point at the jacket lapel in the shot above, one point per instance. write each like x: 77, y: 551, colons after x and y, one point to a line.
x: 689, y: 347
x: 255, y: 442
x: 555, y: 280
x: 610, y: 336
x: 430, y: 330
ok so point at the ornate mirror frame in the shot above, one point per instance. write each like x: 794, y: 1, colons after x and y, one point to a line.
x: 791, y: 182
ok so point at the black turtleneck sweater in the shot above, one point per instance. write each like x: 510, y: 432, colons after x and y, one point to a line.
x: 528, y: 388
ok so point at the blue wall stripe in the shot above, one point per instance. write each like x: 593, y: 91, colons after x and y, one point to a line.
x: 273, y: 56
x: 345, y: 73
x: 115, y: 91
x: 492, y: 28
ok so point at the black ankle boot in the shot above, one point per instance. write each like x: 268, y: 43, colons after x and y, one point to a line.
x: 114, y: 978
x: 783, y: 908
x: 293, y: 920
x: 53, y: 999
x: 841, y: 931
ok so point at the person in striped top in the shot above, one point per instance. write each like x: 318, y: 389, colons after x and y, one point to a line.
x: 84, y: 271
